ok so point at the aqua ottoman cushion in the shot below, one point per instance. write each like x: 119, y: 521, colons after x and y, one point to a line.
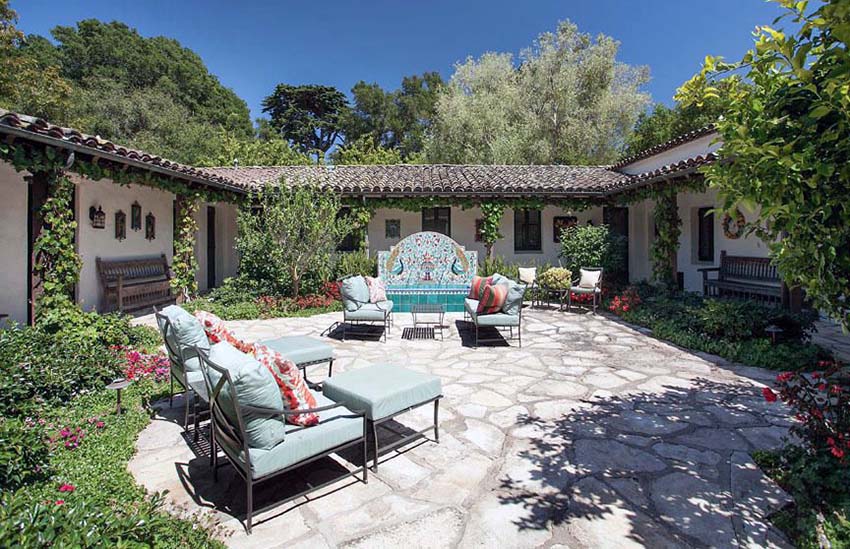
x: 301, y: 349
x: 382, y: 390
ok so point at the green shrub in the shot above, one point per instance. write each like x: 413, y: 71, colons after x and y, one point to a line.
x: 24, y: 455
x: 354, y: 263
x: 556, y: 278
x: 594, y: 246
x: 39, y: 368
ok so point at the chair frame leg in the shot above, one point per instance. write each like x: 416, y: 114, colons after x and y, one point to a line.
x: 249, y: 504
x: 436, y: 420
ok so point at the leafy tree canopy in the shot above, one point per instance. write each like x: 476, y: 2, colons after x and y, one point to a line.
x: 397, y: 119
x: 568, y: 101
x: 308, y: 116
x: 786, y: 136
x: 364, y: 151
x: 230, y: 150
x: 664, y: 123
x: 27, y: 84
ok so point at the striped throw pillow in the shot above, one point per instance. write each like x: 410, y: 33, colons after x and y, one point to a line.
x: 478, y: 284
x: 492, y: 299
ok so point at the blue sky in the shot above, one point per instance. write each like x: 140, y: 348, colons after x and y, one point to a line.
x: 252, y: 45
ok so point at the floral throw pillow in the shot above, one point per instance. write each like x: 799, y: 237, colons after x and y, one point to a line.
x: 296, y: 395
x: 377, y: 289
x: 217, y: 332
x: 492, y: 299
x: 478, y: 285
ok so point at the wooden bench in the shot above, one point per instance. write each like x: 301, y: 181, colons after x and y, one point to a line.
x: 746, y: 277
x: 131, y: 284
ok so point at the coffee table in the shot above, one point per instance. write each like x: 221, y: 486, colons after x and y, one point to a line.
x: 429, y: 314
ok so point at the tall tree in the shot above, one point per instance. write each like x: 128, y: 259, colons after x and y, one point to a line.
x: 567, y: 101
x: 396, y: 119
x: 229, y: 150
x: 27, y: 84
x: 786, y: 146
x: 308, y: 116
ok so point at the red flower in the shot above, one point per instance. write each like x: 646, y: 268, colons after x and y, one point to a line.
x: 769, y: 395
x: 67, y: 488
x: 60, y: 502
x: 837, y: 452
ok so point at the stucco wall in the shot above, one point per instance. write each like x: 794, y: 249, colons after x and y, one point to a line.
x: 463, y: 231
x: 692, y: 149
x: 13, y: 244
x: 642, y: 234
x: 93, y: 243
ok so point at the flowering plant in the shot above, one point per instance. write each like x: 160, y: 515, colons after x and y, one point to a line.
x: 556, y: 278
x: 821, y: 401
x: 141, y: 366
x: 626, y: 301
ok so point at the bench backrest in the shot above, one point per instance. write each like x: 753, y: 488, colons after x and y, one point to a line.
x: 747, y: 268
x: 130, y: 269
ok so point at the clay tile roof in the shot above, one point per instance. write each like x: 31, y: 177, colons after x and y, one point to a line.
x: 408, y: 179
x: 37, y: 129
x: 661, y: 147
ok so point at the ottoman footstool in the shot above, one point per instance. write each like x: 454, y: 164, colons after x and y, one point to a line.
x: 383, y: 392
x: 303, y: 351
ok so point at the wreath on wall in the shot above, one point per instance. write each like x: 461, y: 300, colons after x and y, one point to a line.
x: 740, y: 222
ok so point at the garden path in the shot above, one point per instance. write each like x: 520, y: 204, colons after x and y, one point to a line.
x: 593, y: 434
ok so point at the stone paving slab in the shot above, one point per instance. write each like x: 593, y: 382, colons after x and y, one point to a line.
x: 591, y: 435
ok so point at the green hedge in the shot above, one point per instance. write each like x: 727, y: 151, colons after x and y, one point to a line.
x: 734, y: 330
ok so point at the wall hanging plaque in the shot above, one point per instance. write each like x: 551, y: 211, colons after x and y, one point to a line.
x: 135, y: 216
x: 98, y: 217
x: 150, y: 226
x: 120, y: 225
x: 392, y: 228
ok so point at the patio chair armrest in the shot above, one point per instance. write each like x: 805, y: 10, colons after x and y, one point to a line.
x: 270, y: 412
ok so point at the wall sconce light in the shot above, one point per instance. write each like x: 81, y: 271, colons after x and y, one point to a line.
x: 120, y: 225
x: 135, y: 216
x: 150, y: 226
x: 97, y: 217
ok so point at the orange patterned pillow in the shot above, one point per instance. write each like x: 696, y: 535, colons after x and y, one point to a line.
x: 492, y: 299
x: 478, y: 285
x: 217, y: 332
x: 296, y: 395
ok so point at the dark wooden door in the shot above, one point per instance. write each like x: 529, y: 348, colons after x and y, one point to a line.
x: 211, y: 247
x: 617, y: 219
x: 36, y: 197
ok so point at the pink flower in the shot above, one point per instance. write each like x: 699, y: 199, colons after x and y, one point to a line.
x: 100, y: 425
x: 60, y: 502
x: 67, y: 488
x: 837, y: 452
x: 769, y: 395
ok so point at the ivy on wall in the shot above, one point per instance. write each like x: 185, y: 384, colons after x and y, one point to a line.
x: 57, y: 264
x: 184, y: 263
x: 491, y: 219
x: 666, y: 244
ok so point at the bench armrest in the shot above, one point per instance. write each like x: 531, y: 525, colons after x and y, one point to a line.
x: 706, y: 270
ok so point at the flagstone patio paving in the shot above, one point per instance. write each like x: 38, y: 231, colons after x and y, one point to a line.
x: 591, y: 435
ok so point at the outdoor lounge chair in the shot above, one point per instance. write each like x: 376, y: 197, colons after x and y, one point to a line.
x: 248, y: 425
x: 509, y: 317
x: 182, y: 334
x: 357, y: 309
x: 590, y: 282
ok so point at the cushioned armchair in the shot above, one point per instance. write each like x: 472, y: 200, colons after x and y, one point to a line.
x: 249, y: 427
x: 590, y: 282
x: 510, y: 315
x: 357, y: 309
x: 183, y: 334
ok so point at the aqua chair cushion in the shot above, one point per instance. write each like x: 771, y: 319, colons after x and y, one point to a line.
x: 370, y: 311
x: 513, y: 302
x: 381, y: 390
x: 305, y: 442
x: 301, y: 349
x: 185, y: 334
x: 494, y: 319
x: 255, y: 386
x: 354, y: 292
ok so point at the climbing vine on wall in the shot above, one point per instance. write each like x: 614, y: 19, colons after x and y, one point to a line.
x: 491, y: 219
x: 57, y: 264
x: 185, y: 264
x: 666, y: 244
